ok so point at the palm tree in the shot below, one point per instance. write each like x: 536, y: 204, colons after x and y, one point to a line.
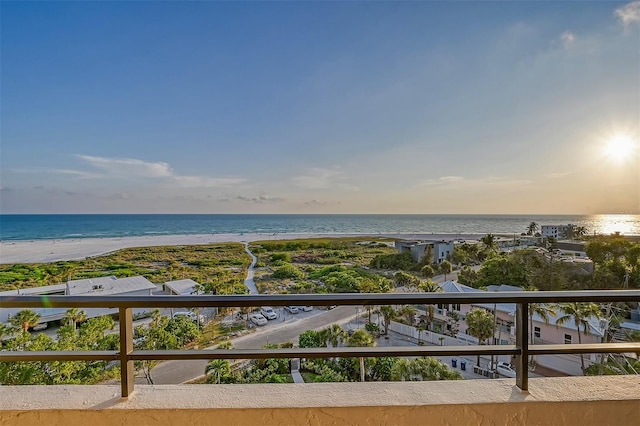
x: 532, y: 228
x: 480, y: 326
x: 446, y: 267
x: 580, y: 314
x: 5, y: 330
x: 580, y: 231
x: 361, y: 339
x: 217, y: 370
x: 401, y: 370
x: 429, y: 286
x: 334, y: 335
x: 74, y: 316
x: 420, y: 328
x: 389, y: 315
x: 24, y: 320
x: 544, y: 310
x: 489, y: 242
x: 409, y: 313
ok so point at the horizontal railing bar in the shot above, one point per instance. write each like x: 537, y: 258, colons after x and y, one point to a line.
x: 13, y: 356
x: 165, y: 301
x: 585, y: 348
x: 344, y: 352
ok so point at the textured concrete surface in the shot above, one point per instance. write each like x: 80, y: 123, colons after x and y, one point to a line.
x: 566, y: 400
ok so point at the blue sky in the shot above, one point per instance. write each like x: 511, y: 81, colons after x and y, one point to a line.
x: 319, y: 107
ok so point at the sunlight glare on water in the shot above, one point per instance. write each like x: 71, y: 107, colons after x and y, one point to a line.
x: 611, y: 223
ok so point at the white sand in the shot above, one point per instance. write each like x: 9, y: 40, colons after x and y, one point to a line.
x: 37, y: 251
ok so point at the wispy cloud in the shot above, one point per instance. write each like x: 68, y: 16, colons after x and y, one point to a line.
x: 490, y: 181
x: 261, y: 199
x: 451, y: 178
x: 135, y: 169
x: 567, y: 39
x: 129, y: 166
x: 556, y: 175
x: 322, y: 178
x: 629, y: 13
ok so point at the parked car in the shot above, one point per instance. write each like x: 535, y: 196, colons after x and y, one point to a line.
x: 41, y: 326
x: 191, y: 315
x: 268, y: 312
x: 505, y: 369
x: 257, y: 319
x: 292, y: 309
x: 305, y: 308
x: 332, y: 307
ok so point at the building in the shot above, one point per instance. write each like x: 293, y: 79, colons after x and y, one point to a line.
x: 555, y: 231
x: 544, y: 333
x: 441, y: 249
x: 181, y: 287
x: 106, y: 286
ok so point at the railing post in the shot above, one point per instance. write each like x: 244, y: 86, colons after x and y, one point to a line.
x: 126, y: 347
x: 522, y: 342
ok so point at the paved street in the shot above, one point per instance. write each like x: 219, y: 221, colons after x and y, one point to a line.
x: 277, y: 331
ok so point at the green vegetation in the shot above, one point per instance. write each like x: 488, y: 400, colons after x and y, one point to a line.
x: 220, y: 268
x: 91, y: 335
x: 480, y: 325
x: 372, y: 369
x: 319, y: 266
x: 274, y: 370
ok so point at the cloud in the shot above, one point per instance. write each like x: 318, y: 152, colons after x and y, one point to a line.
x: 4, y: 189
x: 315, y: 202
x: 131, y: 168
x: 556, y: 175
x: 567, y: 39
x: 205, y: 182
x: 629, y: 14
x: 451, y: 178
x: 321, y: 178
x: 261, y: 199
x: 79, y: 173
x: 459, y: 181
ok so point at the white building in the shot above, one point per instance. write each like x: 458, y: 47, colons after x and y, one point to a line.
x: 102, y: 286
x: 555, y: 231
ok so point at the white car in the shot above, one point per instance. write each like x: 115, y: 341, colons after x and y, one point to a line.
x: 505, y: 369
x: 305, y: 308
x: 292, y: 309
x: 269, y: 313
x: 257, y: 319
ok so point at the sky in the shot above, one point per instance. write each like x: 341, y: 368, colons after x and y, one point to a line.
x: 320, y: 107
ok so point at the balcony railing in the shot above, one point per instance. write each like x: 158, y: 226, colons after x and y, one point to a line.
x: 127, y: 355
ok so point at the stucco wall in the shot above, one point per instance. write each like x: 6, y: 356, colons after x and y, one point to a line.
x: 560, y: 401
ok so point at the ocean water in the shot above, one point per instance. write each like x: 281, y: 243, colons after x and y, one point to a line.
x: 36, y: 227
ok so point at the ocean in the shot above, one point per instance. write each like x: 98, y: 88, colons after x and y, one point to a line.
x: 39, y: 227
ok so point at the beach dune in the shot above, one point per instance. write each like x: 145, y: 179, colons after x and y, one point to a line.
x: 45, y: 251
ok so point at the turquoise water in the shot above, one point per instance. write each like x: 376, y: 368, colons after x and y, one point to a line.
x: 35, y: 227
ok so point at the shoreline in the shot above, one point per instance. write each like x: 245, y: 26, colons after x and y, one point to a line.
x: 48, y: 251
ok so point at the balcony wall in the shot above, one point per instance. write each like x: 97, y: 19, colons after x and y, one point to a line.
x: 568, y: 400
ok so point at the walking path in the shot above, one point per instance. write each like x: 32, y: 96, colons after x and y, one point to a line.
x: 249, y: 282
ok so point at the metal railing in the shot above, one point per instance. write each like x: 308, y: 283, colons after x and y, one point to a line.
x: 127, y: 355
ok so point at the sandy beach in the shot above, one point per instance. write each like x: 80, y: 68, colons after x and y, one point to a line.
x: 38, y: 251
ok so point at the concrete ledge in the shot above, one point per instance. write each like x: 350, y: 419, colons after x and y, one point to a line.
x: 581, y: 401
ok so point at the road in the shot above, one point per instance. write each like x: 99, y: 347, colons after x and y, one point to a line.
x: 277, y: 331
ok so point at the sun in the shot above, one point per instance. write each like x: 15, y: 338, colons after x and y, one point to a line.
x: 619, y: 147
